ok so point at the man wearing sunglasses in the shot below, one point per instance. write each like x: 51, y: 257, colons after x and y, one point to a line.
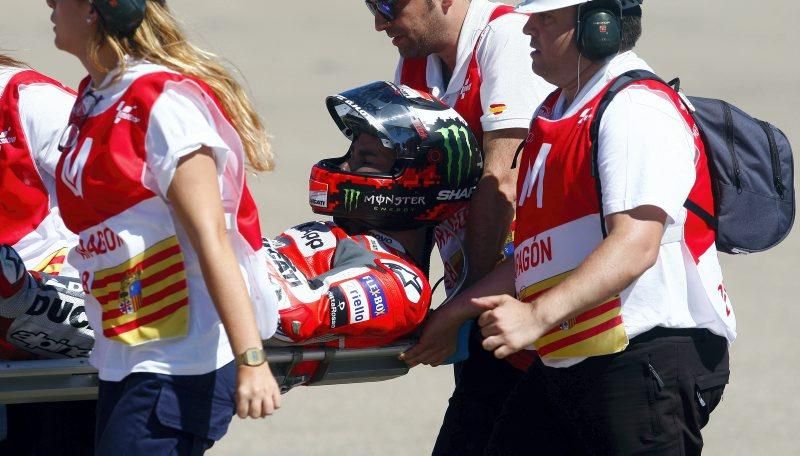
x: 473, y: 56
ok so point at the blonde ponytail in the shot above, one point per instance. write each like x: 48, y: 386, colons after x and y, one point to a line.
x: 10, y: 62
x: 160, y: 40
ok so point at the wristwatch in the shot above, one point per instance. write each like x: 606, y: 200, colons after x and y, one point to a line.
x: 252, y: 357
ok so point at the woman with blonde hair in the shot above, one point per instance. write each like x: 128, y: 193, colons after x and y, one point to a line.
x: 151, y: 178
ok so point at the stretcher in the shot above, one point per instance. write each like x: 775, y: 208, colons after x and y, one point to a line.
x: 54, y: 380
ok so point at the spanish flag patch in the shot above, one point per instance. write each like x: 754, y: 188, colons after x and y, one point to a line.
x: 497, y: 109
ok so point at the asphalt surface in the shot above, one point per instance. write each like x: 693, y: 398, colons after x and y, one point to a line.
x: 293, y: 54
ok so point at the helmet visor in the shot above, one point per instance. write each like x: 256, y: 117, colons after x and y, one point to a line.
x: 382, y: 109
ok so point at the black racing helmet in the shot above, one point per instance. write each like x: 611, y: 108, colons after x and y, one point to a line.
x: 438, y: 161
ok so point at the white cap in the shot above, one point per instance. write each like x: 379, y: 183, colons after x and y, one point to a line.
x: 539, y: 6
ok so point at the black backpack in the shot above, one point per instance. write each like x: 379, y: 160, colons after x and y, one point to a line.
x: 751, y: 166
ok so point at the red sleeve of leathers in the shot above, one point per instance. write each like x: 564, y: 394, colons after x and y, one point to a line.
x: 354, y: 291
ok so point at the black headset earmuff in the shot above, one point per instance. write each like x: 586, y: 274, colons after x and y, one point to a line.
x: 599, y: 29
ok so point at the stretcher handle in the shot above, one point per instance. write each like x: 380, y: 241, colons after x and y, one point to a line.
x: 44, y: 367
x: 287, y: 354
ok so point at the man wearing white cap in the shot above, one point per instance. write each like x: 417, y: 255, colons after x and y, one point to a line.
x: 614, y: 283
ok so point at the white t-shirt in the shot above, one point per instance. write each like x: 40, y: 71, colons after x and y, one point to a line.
x: 505, y: 63
x: 179, y: 124
x: 646, y: 156
x: 506, y: 78
x: 44, y: 112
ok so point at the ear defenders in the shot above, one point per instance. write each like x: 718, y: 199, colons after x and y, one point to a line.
x: 599, y: 29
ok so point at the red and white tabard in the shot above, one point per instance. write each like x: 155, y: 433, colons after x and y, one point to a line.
x: 559, y: 226
x: 29, y: 217
x: 149, y: 303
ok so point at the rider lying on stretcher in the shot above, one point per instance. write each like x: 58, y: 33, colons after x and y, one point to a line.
x: 358, y: 281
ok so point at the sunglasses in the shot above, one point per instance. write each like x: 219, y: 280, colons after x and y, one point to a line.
x: 80, y: 112
x: 383, y: 7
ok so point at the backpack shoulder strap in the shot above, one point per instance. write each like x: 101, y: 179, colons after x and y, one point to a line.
x: 622, y: 81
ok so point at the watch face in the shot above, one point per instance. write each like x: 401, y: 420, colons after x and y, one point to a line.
x: 254, y: 357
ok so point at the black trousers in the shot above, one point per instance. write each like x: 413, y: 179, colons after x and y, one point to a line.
x: 653, y: 398
x: 483, y: 383
x: 149, y: 414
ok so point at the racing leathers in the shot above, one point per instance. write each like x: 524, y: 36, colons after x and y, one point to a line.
x: 342, y: 290
x: 41, y: 313
x: 333, y: 288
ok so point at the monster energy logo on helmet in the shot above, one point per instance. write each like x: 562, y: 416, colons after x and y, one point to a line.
x: 457, y: 146
x: 351, y: 197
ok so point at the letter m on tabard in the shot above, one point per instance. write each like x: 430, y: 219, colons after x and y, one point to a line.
x: 456, y: 143
x: 535, y: 178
